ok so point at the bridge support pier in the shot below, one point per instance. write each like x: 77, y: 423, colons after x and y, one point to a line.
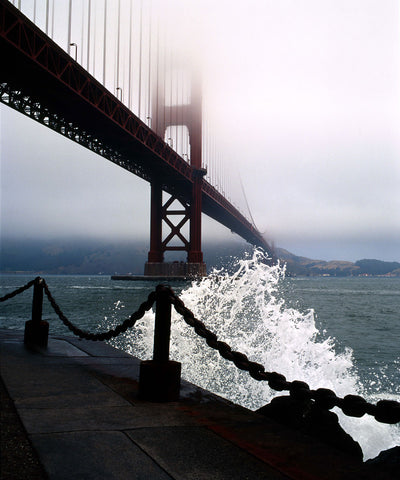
x: 189, y: 115
x: 156, y: 254
x: 194, y: 266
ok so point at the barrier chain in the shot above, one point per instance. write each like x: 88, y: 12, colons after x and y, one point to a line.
x: 18, y: 290
x: 385, y: 411
x: 128, y: 323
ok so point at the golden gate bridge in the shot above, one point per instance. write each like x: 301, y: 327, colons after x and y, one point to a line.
x: 109, y: 75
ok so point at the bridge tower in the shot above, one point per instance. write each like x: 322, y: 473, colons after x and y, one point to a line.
x: 189, y: 115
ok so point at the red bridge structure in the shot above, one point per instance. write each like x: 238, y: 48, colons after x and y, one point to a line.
x: 44, y: 81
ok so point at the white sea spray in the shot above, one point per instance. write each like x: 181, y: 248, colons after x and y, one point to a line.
x: 246, y: 310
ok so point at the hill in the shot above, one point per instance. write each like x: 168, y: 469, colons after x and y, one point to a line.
x: 84, y: 257
x: 302, y: 266
x: 93, y: 257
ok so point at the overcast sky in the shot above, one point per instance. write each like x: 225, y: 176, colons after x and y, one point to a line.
x: 306, y: 106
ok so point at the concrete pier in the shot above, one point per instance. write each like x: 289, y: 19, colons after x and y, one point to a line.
x: 78, y: 403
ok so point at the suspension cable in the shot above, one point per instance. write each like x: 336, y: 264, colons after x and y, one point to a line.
x: 105, y: 43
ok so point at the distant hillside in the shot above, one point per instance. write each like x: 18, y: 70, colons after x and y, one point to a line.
x: 94, y: 257
x: 303, y: 266
x: 77, y: 257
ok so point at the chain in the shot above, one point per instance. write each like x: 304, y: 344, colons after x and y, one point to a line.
x: 18, y: 291
x: 385, y: 411
x: 128, y: 323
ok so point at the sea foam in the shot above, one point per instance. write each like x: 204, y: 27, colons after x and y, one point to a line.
x: 246, y: 310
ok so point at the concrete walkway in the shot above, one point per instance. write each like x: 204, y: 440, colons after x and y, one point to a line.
x: 78, y: 403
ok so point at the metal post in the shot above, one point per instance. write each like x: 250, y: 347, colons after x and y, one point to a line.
x: 162, y: 328
x: 37, y: 302
x: 36, y: 329
x: 160, y: 378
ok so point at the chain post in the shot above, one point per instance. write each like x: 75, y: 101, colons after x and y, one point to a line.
x: 37, y: 302
x: 36, y: 329
x: 162, y: 327
x: 160, y: 378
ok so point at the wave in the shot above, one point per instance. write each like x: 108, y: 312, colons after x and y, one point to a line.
x: 247, y: 310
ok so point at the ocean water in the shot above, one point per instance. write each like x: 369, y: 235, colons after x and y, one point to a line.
x: 338, y: 333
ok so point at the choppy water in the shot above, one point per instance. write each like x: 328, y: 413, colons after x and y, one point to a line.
x: 338, y: 333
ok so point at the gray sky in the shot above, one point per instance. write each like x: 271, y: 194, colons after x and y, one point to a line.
x: 305, y: 99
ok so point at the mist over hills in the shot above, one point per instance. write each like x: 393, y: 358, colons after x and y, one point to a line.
x: 84, y: 257
x: 108, y: 258
x: 301, y: 266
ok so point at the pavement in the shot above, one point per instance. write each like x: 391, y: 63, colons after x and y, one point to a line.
x: 79, y: 407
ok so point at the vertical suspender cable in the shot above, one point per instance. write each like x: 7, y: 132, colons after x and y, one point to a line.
x: 203, y: 156
x: 180, y: 119
x: 164, y: 80
x: 34, y: 11
x: 212, y: 158
x: 214, y: 154
x: 157, y: 77
x: 88, y: 35
x: 187, y: 99
x: 149, y: 76
x: 216, y: 164
x: 221, y: 180
x: 179, y: 108
x: 130, y: 57
x: 186, y: 90
x: 168, y: 67
x: 118, y: 44
x: 203, y: 142
x: 105, y: 42
x: 223, y: 176
x: 140, y: 55
x: 203, y: 148
x: 82, y: 30
x: 47, y: 17
x: 206, y: 137
x: 171, y: 109
x: 52, y: 18
x: 227, y: 179
x: 218, y: 167
x: 69, y: 26
x: 183, y: 116
x: 94, y: 43
x: 221, y: 173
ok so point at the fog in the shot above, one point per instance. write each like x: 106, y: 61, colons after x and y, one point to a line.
x: 303, y: 102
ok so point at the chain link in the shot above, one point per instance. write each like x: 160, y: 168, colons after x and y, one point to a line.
x: 18, y: 290
x: 128, y: 323
x: 385, y: 411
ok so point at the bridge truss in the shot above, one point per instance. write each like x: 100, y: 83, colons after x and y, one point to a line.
x: 43, y: 82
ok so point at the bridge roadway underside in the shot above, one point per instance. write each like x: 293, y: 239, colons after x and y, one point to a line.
x: 41, y: 80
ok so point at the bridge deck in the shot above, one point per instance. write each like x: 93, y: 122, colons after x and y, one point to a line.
x: 78, y: 403
x: 41, y: 80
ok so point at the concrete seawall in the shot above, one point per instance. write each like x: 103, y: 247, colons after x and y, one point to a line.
x: 78, y: 403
